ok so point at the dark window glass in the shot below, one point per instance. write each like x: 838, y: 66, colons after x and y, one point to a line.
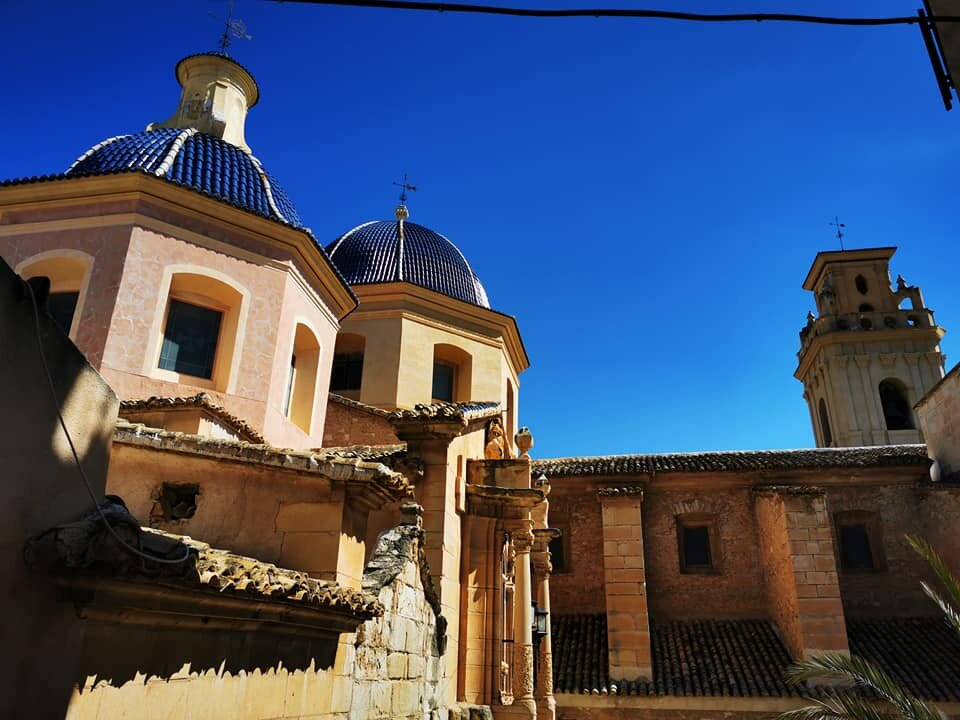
x: 190, y: 339
x: 695, y: 547
x: 347, y: 371
x: 558, y: 556
x: 61, y: 306
x: 288, y: 395
x: 442, y: 382
x: 896, y: 411
x: 825, y: 424
x: 855, y: 551
x: 861, y: 283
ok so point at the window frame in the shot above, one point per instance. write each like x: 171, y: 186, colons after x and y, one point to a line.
x: 453, y: 381
x: 206, y: 303
x: 870, y: 521
x: 697, y: 520
x: 28, y: 268
x: 209, y: 289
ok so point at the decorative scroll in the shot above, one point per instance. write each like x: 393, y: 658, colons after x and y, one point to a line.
x: 507, y: 575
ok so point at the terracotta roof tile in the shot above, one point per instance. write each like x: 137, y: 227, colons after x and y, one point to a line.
x: 921, y: 653
x: 746, y: 658
x: 626, y: 491
x: 734, y: 461
x: 204, y: 401
x: 357, y: 405
x: 235, y: 574
x: 462, y: 411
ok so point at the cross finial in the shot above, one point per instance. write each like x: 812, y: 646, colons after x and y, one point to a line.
x: 838, y: 226
x: 232, y: 28
x: 404, y: 186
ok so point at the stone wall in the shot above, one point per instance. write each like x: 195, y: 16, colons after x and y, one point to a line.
x: 348, y: 425
x: 398, y: 659
x: 580, y: 588
x: 939, y: 415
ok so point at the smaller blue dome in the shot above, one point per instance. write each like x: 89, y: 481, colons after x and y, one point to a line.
x: 195, y: 160
x: 375, y: 253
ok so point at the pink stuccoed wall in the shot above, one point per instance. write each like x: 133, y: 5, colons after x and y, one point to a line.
x: 122, y: 298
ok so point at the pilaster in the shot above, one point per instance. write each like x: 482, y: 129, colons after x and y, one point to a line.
x: 540, y: 560
x: 800, y: 569
x: 628, y: 623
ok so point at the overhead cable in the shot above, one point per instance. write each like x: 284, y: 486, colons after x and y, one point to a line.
x: 445, y: 7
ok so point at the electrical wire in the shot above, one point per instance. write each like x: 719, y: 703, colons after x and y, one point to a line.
x: 73, y: 449
x: 443, y: 7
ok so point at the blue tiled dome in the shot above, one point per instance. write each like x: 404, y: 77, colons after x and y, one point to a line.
x: 201, y: 162
x: 375, y: 253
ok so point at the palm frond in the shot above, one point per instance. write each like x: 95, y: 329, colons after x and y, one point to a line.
x: 856, y: 670
x: 939, y: 567
x: 949, y: 611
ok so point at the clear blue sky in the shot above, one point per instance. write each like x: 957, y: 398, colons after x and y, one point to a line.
x: 645, y: 196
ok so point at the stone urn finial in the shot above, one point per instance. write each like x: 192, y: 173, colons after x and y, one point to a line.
x: 524, y: 441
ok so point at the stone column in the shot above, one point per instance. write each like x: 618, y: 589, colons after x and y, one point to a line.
x: 540, y: 560
x: 523, y: 702
x: 625, y: 584
x: 800, y: 571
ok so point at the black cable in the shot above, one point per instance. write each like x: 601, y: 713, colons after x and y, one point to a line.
x: 627, y: 13
x: 73, y: 449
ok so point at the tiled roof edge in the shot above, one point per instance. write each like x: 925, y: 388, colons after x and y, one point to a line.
x: 201, y: 400
x: 462, y: 411
x: 733, y: 461
x: 357, y: 405
x: 331, y: 466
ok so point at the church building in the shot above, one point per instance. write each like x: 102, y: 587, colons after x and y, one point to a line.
x: 256, y: 472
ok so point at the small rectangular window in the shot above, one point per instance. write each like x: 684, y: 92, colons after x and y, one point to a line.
x: 442, y: 382
x: 695, y: 552
x: 855, y: 552
x: 61, y: 306
x: 347, y: 372
x: 190, y: 339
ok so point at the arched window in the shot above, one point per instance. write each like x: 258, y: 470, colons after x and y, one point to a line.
x: 896, y: 409
x: 452, y: 374
x: 301, y: 388
x: 861, y: 283
x: 347, y: 375
x: 68, y: 272
x: 825, y: 424
x: 199, y: 333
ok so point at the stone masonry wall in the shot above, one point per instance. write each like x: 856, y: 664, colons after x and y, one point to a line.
x: 351, y: 426
x: 579, y: 589
x: 939, y: 415
x: 398, y: 659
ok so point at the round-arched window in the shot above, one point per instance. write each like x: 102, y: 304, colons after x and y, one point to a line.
x: 861, y: 283
x: 825, y: 424
x: 896, y: 409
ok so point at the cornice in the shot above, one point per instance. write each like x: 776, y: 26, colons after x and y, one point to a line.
x: 821, y: 342
x: 136, y: 186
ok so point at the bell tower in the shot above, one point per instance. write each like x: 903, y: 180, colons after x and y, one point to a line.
x: 869, y: 354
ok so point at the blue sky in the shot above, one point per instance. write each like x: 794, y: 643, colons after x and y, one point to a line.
x: 645, y: 196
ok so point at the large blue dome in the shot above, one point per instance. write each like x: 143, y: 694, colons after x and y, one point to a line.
x: 376, y: 252
x: 195, y: 160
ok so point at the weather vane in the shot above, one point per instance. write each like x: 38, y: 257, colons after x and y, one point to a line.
x: 232, y: 28
x: 404, y: 186
x: 839, y: 226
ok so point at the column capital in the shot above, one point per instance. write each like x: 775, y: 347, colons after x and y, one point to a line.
x: 521, y: 534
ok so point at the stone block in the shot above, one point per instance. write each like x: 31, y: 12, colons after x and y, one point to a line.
x: 414, y: 637
x: 396, y: 665
x: 381, y: 698
x: 308, y: 517
x: 406, y: 698
x: 416, y: 666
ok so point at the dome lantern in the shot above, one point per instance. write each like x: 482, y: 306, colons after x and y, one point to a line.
x: 216, y: 94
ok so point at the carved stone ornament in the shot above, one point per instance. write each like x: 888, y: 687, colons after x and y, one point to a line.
x: 495, y: 448
x: 524, y: 441
x: 523, y: 671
